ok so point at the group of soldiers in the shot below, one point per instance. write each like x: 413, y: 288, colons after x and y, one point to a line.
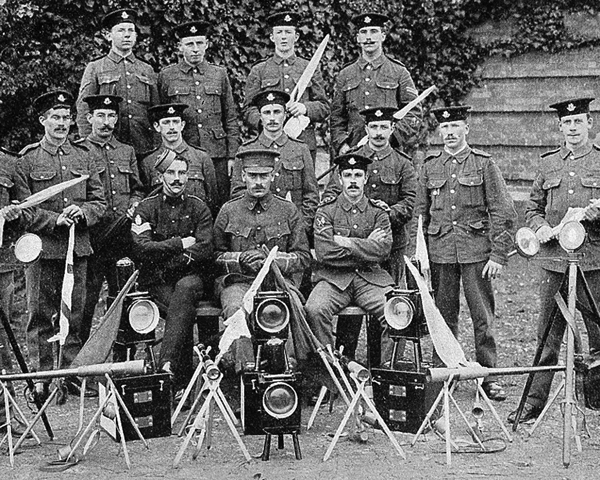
x: 200, y: 212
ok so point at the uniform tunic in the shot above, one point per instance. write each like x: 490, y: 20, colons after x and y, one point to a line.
x: 294, y: 173
x: 349, y: 275
x: 468, y: 219
x: 130, y: 78
x: 565, y: 179
x: 40, y: 166
x: 202, y: 181
x: 173, y: 275
x: 278, y: 73
x: 361, y: 85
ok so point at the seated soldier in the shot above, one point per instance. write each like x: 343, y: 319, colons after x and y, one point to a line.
x: 243, y: 227
x: 172, y: 240
x: 352, y: 238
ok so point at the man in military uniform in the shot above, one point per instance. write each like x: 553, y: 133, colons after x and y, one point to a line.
x: 294, y: 170
x: 468, y: 217
x: 118, y: 169
x: 172, y: 240
x: 352, y: 238
x: 569, y: 178
x: 282, y: 71
x: 246, y: 224
x: 373, y: 79
x: 168, y: 121
x: 392, y: 181
x: 211, y: 119
x: 51, y: 161
x: 121, y: 73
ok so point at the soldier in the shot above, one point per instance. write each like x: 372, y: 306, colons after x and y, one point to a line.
x: 568, y: 178
x: 121, y: 73
x: 246, y: 224
x: 211, y: 119
x: 392, y: 181
x: 168, y: 121
x: 172, y: 239
x: 468, y: 217
x: 51, y: 161
x: 118, y: 169
x: 294, y: 170
x: 352, y: 238
x: 282, y: 71
x: 373, y: 79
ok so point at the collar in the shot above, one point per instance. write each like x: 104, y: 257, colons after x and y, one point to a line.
x: 182, y: 147
x: 117, y: 58
x: 264, y: 202
x: 53, y: 149
x: 267, y: 142
x: 186, y: 67
x: 347, y: 205
x: 279, y: 60
x: 174, y: 200
x: 460, y: 156
x: 380, y: 154
x: 578, y: 152
x: 378, y: 62
x: 101, y: 142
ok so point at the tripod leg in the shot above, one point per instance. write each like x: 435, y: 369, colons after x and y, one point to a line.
x: 266, y: 448
x: 447, y: 423
x: 11, y: 450
x: 494, y: 412
x: 297, y: 451
x: 313, y: 415
x: 280, y: 444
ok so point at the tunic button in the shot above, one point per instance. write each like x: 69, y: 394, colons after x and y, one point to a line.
x: 112, y: 175
x: 367, y: 107
x: 64, y: 168
x: 571, y: 173
x: 286, y: 76
x: 366, y: 93
x: 128, y: 86
x: 278, y: 189
x: 452, y: 191
x: 127, y: 73
x: 367, y: 79
x: 368, y: 67
x: 199, y: 125
x: 286, y: 64
x: 258, y: 211
x: 258, y: 228
x: 114, y: 192
x: 453, y: 161
x: 129, y: 116
x: 287, y: 90
x: 128, y: 101
x: 374, y: 171
x: 115, y: 209
x: 108, y: 148
x: 570, y: 192
x: 112, y: 161
x: 453, y: 207
x: 197, y: 83
x: 197, y: 97
x: 66, y: 200
x: 454, y: 223
x: 277, y: 174
x: 354, y: 226
x: 172, y: 221
x: 195, y: 70
x: 453, y: 175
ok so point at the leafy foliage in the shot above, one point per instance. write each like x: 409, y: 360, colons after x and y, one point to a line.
x: 47, y: 44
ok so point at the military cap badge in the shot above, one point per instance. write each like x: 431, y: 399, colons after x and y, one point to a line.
x: 367, y: 19
x: 379, y: 113
x: 287, y: 18
x: 352, y: 161
x: 171, y: 110
x: 570, y: 107
x: 193, y: 29
x: 446, y: 114
x: 124, y: 15
x: 270, y: 97
x: 61, y: 98
x: 107, y: 101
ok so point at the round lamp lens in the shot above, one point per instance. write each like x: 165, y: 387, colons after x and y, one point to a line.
x: 399, y: 312
x: 272, y: 315
x: 526, y: 242
x: 143, y: 316
x: 280, y: 400
x: 571, y: 236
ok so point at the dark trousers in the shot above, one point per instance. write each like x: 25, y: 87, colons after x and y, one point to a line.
x: 44, y: 285
x: 480, y: 299
x: 549, y: 285
x: 181, y: 297
x: 223, y: 181
x: 101, y: 265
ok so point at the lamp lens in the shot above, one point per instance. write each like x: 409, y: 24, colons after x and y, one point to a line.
x: 272, y: 315
x: 280, y: 400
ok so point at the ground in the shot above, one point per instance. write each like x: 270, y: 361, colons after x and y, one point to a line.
x: 537, y: 456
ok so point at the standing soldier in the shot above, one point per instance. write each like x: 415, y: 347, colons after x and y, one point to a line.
x: 392, y: 181
x: 51, y: 161
x: 117, y: 166
x: 168, y: 121
x: 294, y: 170
x: 468, y: 217
x: 282, y: 71
x: 371, y: 80
x: 121, y: 73
x: 568, y: 178
x: 211, y: 119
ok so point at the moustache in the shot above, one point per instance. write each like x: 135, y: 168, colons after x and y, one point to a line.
x: 176, y: 183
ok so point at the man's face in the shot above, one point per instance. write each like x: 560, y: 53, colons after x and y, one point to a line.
x: 273, y: 117
x: 103, y: 122
x: 454, y: 134
x: 56, y: 122
x: 370, y: 39
x: 257, y: 184
x: 170, y: 128
x: 379, y: 133
x: 284, y: 39
x: 122, y: 37
x: 576, y: 129
x: 353, y: 182
x: 175, y: 178
x: 193, y: 49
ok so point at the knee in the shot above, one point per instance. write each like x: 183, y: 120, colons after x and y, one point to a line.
x: 190, y: 285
